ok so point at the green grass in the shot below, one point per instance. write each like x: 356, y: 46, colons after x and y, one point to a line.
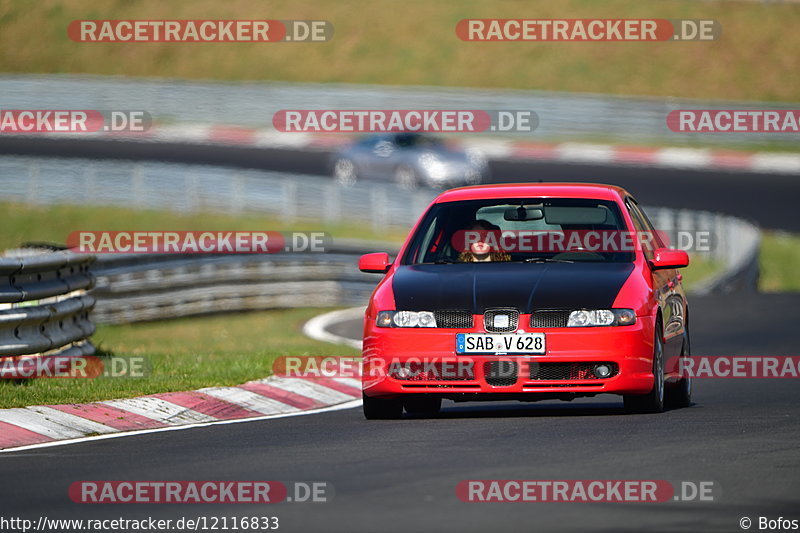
x: 26, y: 223
x: 183, y: 354
x: 414, y: 43
x: 698, y: 270
x: 780, y: 260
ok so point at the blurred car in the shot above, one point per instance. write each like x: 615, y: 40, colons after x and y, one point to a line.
x: 410, y: 160
x: 531, y: 325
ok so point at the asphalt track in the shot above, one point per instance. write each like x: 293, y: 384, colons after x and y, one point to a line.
x: 402, y: 475
x: 771, y: 200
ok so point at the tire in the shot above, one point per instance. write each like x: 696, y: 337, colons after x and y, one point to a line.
x: 679, y: 395
x: 382, y: 408
x: 406, y: 178
x: 344, y: 172
x: 423, y: 405
x: 653, y: 401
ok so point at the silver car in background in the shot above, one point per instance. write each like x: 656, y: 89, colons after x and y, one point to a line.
x: 410, y: 160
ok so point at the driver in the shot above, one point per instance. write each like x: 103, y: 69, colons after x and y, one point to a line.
x: 480, y: 252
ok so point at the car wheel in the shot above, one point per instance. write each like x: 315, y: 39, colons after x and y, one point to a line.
x: 423, y: 405
x: 382, y: 408
x: 406, y: 178
x: 680, y: 394
x: 344, y: 172
x: 653, y: 401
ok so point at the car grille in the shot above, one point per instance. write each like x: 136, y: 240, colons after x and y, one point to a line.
x: 501, y: 373
x: 489, y: 317
x: 549, y: 319
x: 453, y: 319
x: 567, y: 371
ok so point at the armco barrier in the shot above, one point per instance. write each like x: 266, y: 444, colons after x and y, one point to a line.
x: 45, y: 304
x: 132, y: 288
x: 562, y: 116
x: 736, y: 246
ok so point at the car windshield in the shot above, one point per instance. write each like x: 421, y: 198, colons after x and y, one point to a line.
x: 409, y: 140
x: 533, y: 230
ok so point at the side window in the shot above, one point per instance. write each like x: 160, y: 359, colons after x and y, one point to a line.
x: 642, y: 228
x: 428, y: 247
x: 659, y: 243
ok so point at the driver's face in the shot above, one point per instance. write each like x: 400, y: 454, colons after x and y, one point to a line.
x: 479, y: 248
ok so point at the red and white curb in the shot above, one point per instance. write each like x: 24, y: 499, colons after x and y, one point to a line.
x: 566, y: 152
x: 273, y: 397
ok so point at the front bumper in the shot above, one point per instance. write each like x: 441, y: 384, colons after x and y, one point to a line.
x: 629, y: 348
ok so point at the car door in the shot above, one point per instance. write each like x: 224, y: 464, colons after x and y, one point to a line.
x: 668, y: 290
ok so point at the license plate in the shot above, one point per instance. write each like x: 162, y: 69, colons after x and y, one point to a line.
x: 488, y: 343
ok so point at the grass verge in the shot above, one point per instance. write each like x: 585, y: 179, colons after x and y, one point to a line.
x: 53, y: 223
x: 183, y: 354
x: 779, y: 261
x: 415, y: 44
x: 698, y: 270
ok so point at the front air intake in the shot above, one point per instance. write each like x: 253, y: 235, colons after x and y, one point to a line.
x: 501, y: 373
x: 453, y: 319
x: 549, y: 319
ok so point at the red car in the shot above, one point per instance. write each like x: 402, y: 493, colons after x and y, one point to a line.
x: 527, y: 292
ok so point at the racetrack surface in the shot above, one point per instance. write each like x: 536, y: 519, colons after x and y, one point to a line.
x: 401, y: 475
x: 768, y: 199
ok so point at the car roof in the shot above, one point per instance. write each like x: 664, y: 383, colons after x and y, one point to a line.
x: 595, y: 191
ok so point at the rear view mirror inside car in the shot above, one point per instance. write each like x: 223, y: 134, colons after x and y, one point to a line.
x: 523, y: 213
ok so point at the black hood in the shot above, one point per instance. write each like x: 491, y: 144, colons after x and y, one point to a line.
x: 524, y: 286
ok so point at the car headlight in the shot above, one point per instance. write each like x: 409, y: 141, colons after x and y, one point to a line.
x: 601, y: 317
x: 405, y: 319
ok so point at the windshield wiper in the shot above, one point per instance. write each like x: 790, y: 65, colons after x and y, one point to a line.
x: 443, y: 261
x: 546, y: 260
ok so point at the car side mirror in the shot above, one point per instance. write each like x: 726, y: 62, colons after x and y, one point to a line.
x: 377, y: 263
x: 669, y: 258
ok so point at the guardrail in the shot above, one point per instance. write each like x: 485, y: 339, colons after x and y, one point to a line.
x: 736, y: 244
x: 562, y: 116
x: 45, y: 304
x: 193, y: 188
x: 132, y: 288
